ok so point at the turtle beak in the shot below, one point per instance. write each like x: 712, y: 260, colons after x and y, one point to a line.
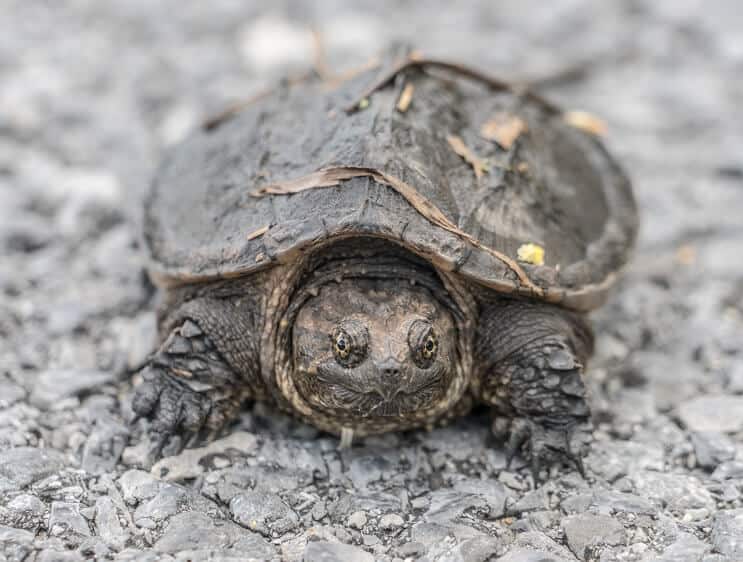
x: 388, y: 381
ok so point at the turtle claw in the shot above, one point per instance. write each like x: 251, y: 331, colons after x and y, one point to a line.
x: 176, y: 414
x: 157, y: 442
x: 520, y: 433
x: 546, y: 443
x: 191, y: 440
x: 577, y: 458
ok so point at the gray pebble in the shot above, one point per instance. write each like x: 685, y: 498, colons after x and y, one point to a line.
x: 411, y: 549
x: 137, y: 485
x: 586, y: 531
x: 533, y: 500
x: 196, y: 531
x: 728, y: 470
x: 108, y: 524
x: 367, y: 468
x: 137, y: 455
x: 53, y: 386
x: 473, y: 549
x: 537, y: 541
x: 391, y: 521
x: 529, y: 555
x: 254, y: 544
x: 50, y: 555
x: 323, y: 551
x: 719, y: 412
x: 712, y: 448
x: 10, y: 392
x: 142, y: 555
x: 188, y: 463
x: 104, y: 446
x: 611, y: 501
x: 735, y: 378
x: 491, y: 490
x: 9, y: 535
x: 263, y: 512
x: 727, y: 533
x: 677, y: 492
x: 23, y: 512
x: 170, y: 500
x: 448, y: 505
x: 357, y: 520
x: 66, y: 521
x: 23, y: 466
x: 684, y: 548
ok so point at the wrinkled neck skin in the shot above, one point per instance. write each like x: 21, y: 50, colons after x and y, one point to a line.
x: 366, y: 338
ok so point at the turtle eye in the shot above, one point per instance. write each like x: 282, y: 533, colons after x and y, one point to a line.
x: 342, y: 345
x: 423, y: 343
x: 349, y: 341
x: 429, y: 346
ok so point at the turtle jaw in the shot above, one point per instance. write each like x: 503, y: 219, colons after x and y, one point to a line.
x: 332, y: 391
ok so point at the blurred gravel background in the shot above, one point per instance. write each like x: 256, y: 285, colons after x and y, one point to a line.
x: 91, y: 93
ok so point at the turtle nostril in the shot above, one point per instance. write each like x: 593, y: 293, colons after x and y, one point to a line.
x: 389, y: 368
x: 388, y: 381
x: 391, y: 372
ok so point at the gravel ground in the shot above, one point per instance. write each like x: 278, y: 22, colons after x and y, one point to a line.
x: 91, y: 93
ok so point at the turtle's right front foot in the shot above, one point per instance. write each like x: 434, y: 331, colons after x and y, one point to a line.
x: 178, y: 416
x: 188, y: 395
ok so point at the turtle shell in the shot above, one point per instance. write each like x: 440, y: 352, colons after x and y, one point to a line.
x: 458, y: 167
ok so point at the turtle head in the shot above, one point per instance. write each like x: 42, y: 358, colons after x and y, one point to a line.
x: 365, y: 349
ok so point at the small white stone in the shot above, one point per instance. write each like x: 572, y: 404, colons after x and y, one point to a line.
x: 176, y: 125
x: 221, y: 462
x: 360, y: 34
x: 357, y: 520
x: 187, y: 465
x: 91, y: 184
x: 696, y: 514
x: 271, y: 42
x: 711, y: 412
x: 391, y: 521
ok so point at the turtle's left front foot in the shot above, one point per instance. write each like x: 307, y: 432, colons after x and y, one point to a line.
x: 532, y: 359
x: 546, y: 442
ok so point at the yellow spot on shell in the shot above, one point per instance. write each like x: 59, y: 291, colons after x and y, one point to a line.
x: 504, y: 129
x: 531, y: 253
x: 686, y: 255
x: 586, y: 122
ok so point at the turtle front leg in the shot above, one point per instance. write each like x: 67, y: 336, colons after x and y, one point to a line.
x: 188, y: 390
x: 530, y: 359
x: 194, y: 384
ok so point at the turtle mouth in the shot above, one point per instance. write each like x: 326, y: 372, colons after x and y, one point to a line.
x: 334, y: 392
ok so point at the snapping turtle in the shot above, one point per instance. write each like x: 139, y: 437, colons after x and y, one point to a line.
x: 382, y: 255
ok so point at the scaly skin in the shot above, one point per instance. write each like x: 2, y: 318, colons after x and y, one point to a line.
x: 207, y: 365
x: 530, y: 358
x: 527, y: 362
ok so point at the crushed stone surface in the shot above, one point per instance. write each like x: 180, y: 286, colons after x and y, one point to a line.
x: 93, y: 93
